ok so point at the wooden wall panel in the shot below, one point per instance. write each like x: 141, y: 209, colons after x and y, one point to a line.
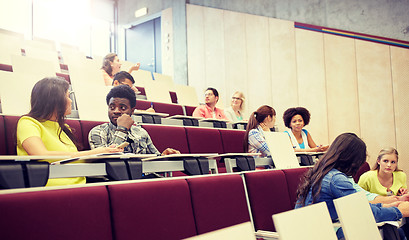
x: 214, y: 51
x: 342, y: 92
x: 375, y: 96
x: 400, y: 80
x: 258, y: 62
x: 283, y: 67
x: 167, y: 42
x: 311, y: 82
x: 196, y: 49
x: 235, y: 55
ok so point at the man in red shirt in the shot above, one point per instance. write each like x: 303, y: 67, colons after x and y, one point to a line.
x: 209, y: 110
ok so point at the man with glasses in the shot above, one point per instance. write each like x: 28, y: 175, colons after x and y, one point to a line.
x: 209, y: 110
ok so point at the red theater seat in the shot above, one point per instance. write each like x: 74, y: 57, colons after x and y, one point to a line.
x: 141, y: 90
x: 3, y: 144
x: 168, y: 136
x: 76, y: 130
x: 10, y: 124
x: 77, y: 213
x: 294, y: 177
x: 6, y: 67
x: 173, y: 97
x: 152, y: 210
x: 232, y: 140
x: 218, y: 202
x: 65, y: 76
x: 364, y: 168
x: 143, y: 104
x: 268, y: 195
x: 204, y: 140
x: 189, y: 110
x: 86, y: 127
x: 171, y: 109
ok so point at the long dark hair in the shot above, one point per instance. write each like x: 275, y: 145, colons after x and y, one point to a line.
x: 346, y: 154
x: 255, y: 119
x: 48, y: 97
x: 106, y: 63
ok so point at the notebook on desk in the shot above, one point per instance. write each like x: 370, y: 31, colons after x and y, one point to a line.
x: 281, y: 149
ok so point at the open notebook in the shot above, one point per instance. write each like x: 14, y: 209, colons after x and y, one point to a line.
x: 281, y: 150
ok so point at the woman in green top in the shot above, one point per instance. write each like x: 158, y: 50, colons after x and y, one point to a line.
x: 385, y: 178
x: 43, y: 130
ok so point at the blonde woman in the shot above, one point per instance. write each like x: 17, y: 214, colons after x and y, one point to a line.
x: 235, y: 112
x: 385, y: 178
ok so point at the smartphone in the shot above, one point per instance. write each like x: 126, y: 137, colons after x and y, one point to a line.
x: 123, y: 145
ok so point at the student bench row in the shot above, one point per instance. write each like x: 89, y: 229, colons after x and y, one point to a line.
x: 148, y: 209
x: 184, y: 139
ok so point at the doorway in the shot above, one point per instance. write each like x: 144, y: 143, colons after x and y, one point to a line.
x: 143, y: 44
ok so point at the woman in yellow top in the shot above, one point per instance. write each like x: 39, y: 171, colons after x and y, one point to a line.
x: 385, y: 178
x: 43, y: 130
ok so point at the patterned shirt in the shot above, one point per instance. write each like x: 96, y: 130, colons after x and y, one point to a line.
x: 106, y: 134
x: 257, y: 142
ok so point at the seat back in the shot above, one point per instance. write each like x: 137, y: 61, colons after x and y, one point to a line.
x: 268, y: 195
x: 169, y: 108
x: 168, y: 136
x: 152, y: 210
x: 218, y: 202
x: 310, y: 223
x: 75, y: 126
x: 3, y: 144
x: 364, y: 168
x: 10, y: 124
x: 76, y: 213
x: 204, y: 140
x: 232, y: 140
x: 142, y: 104
x: 294, y: 177
x: 189, y: 110
x: 86, y: 127
x: 356, y: 217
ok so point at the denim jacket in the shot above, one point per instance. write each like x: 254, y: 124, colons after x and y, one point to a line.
x: 335, y: 185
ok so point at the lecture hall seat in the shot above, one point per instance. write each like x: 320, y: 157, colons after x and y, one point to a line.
x: 86, y: 127
x: 169, y: 108
x: 218, y: 201
x: 3, y: 144
x: 63, y: 214
x: 232, y: 140
x: 10, y: 124
x: 152, y: 210
x: 268, y: 194
x: 204, y: 140
x: 294, y: 177
x: 167, y: 137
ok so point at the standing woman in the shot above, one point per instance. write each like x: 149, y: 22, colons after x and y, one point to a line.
x: 235, y: 112
x: 111, y: 65
x: 260, y: 121
x: 386, y: 178
x: 43, y: 130
x: 296, y: 119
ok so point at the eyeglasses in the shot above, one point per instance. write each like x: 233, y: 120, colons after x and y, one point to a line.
x: 209, y: 94
x: 235, y: 98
